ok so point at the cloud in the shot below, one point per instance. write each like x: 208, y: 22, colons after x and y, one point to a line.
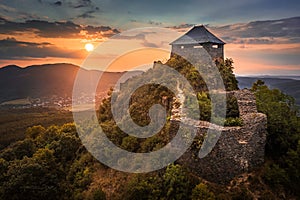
x: 47, y: 29
x: 53, y: 9
x: 13, y: 49
x: 182, y: 26
x: 151, y: 22
x: 87, y: 6
x: 81, y: 3
x: 70, y: 3
x: 57, y: 3
x: 257, y: 32
x: 16, y: 13
x: 5, y: 8
x: 10, y: 42
x: 87, y: 14
x: 119, y: 12
x: 261, y: 32
x: 105, y: 31
x: 140, y: 36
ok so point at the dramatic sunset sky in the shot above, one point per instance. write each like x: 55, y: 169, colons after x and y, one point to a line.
x: 262, y: 36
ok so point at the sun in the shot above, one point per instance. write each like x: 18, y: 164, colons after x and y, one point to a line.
x: 89, y: 47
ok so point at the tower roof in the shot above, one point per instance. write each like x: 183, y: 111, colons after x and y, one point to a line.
x: 197, y: 35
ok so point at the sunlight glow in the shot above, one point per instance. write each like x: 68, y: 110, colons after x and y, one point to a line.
x: 89, y: 47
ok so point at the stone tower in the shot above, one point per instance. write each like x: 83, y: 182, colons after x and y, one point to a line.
x: 198, y: 38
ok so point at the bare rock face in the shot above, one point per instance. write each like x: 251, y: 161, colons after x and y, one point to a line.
x: 238, y: 150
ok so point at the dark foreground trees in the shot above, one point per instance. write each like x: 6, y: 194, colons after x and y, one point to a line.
x: 282, y: 170
x: 48, y: 164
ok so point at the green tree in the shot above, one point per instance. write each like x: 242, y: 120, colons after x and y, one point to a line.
x: 283, y: 122
x: 226, y: 71
x: 283, y: 138
x: 3, y: 178
x: 130, y: 143
x: 176, y: 183
x: 19, y: 149
x: 98, y: 195
x: 48, y: 164
x: 78, y: 176
x: 33, y: 178
x: 34, y: 131
x: 143, y: 187
x: 201, y: 192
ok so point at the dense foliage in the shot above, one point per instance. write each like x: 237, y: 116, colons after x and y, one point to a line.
x: 123, y: 140
x: 171, y: 183
x: 48, y: 164
x: 206, y: 112
x: 197, y: 81
x: 283, y: 140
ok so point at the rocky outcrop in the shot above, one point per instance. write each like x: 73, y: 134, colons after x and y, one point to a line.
x: 238, y: 149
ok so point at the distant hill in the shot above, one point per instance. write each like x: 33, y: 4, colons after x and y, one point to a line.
x: 58, y: 79
x: 47, y: 80
x: 288, y: 84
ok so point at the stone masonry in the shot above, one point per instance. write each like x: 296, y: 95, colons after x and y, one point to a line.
x: 238, y: 150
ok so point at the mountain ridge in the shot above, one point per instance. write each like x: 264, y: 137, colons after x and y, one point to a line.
x: 288, y: 84
x: 57, y: 79
x: 50, y: 79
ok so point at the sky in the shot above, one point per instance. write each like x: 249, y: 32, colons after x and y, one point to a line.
x: 262, y: 36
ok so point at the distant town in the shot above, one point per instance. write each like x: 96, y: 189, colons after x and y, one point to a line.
x: 84, y: 102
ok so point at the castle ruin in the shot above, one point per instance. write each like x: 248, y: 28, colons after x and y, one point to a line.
x: 239, y: 149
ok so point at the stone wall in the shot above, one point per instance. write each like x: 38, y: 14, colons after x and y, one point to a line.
x: 238, y: 150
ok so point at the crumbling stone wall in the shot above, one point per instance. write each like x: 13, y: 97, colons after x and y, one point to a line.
x: 238, y: 150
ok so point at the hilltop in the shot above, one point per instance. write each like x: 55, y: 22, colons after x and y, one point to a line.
x: 46, y: 80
